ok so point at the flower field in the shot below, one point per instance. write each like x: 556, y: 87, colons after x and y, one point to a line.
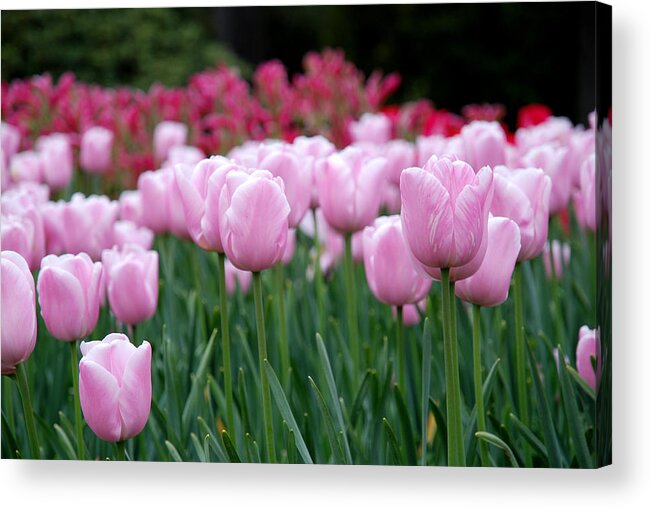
x: 289, y: 270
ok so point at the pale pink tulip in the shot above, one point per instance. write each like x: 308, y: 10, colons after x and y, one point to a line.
x: 484, y: 144
x: 587, y: 356
x: 95, y: 150
x: 167, y: 135
x: 127, y: 232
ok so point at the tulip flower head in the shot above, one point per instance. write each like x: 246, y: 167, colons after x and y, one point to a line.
x: 585, y: 196
x: 371, y: 128
x: 586, y: 356
x: 69, y: 293
x: 56, y: 158
x: 115, y: 386
x: 18, y: 311
x: 167, y: 135
x: 484, y: 144
x: 95, y: 150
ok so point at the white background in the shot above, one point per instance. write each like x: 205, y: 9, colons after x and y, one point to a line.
x: 625, y: 484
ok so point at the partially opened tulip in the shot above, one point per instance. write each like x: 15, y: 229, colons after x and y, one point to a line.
x: 162, y: 205
x: 523, y: 196
x: 18, y: 311
x: 115, y: 386
x: 552, y: 160
x: 489, y: 285
x: 95, y: 150
x: 22, y: 230
x: 586, y: 356
x: 69, y: 295
x: 127, y: 232
x: 131, y: 282
x: 56, y: 158
x: 484, y: 144
x: 167, y: 135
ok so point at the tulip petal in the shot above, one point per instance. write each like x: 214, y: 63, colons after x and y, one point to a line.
x: 135, y: 393
x: 62, y: 302
x: 98, y: 394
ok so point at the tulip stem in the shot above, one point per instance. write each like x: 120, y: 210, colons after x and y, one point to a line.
x: 520, y: 366
x: 226, y: 343
x: 318, y: 278
x: 23, y: 387
x: 400, y: 352
x: 74, y: 370
x: 479, y: 396
x: 351, y: 304
x: 262, y: 356
x: 283, y: 340
x: 456, y: 451
x: 120, y: 455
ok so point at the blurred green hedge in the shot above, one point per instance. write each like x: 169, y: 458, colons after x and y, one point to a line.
x: 112, y: 46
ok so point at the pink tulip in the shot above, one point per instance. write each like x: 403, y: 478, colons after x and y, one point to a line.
x: 561, y: 254
x: 56, y: 157
x: 523, y: 196
x: 115, y: 386
x: 84, y: 224
x: 426, y: 146
x: 21, y: 227
x: 235, y: 276
x: 199, y: 191
x: 489, y: 285
x: 581, y: 145
x: 290, y: 247
x: 281, y: 160
x: 26, y: 167
x: 484, y: 144
x: 555, y: 130
x: 95, y: 150
x: 411, y: 313
x: 391, y: 198
x: 127, y: 232
x: 585, y: 196
x: 245, y: 154
x: 253, y: 219
x: 350, y: 184
x: 586, y: 354
x: 371, y: 128
x: 312, y: 150
x: 10, y: 136
x: 130, y: 205
x: 445, y: 215
x: 552, y: 160
x: 188, y: 155
x: 69, y: 295
x: 162, y: 205
x: 166, y: 135
x: 400, y: 154
x: 18, y: 310
x: 131, y: 282
x: 390, y: 272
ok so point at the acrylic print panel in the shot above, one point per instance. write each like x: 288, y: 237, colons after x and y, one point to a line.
x: 318, y: 242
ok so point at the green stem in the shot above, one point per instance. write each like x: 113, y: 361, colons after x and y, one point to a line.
x: 456, y: 450
x: 74, y: 370
x: 520, y: 365
x: 479, y: 396
x: 262, y: 356
x: 7, y: 397
x: 318, y: 278
x: 351, y: 306
x: 400, y: 352
x: 226, y: 343
x: 283, y: 339
x: 120, y: 455
x: 23, y: 386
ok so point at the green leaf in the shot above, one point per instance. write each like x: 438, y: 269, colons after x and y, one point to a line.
x: 198, y: 382
x: 214, y: 444
x: 230, y: 448
x: 198, y: 448
x: 487, y: 389
x: 496, y: 441
x: 333, y: 394
x: 426, y: 378
x: 291, y: 447
x: 572, y: 413
x: 252, y: 451
x: 369, y: 377
x: 581, y: 382
x: 65, y: 442
x: 329, y: 425
x: 441, y: 427
x: 392, y: 442
x: 406, y: 427
x: 531, y: 438
x: 8, y: 437
x: 549, y: 432
x: 286, y: 412
x: 176, y: 457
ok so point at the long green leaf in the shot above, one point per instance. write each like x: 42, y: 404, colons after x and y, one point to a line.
x: 230, y: 448
x: 214, y: 444
x: 407, y: 431
x: 486, y: 389
x: 286, y: 412
x: 580, y: 382
x: 337, y: 451
x: 425, y: 387
x: 392, y: 441
x: 174, y: 453
x: 528, y: 434
x: 198, y: 381
x: 65, y: 442
x: 496, y: 441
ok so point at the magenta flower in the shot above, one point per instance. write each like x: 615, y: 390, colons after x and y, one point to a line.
x: 484, y: 144
x: 95, y: 150
x: 445, y: 214
x: 523, y: 196
x: 115, y: 386
x: 390, y: 272
x: 131, y: 282
x: 350, y: 189
x: 18, y: 311
x: 489, y: 285
x: 69, y: 295
x: 253, y: 219
x: 586, y: 354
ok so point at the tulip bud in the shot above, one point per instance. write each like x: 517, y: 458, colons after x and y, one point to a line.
x: 26, y: 166
x: 69, y: 295
x: 56, y: 157
x: 115, y: 386
x: 586, y: 356
x: 484, y: 144
x: 10, y: 136
x: 166, y: 135
x: 389, y: 269
x: 188, y: 155
x: 95, y: 150
x: 585, y: 196
x: 552, y: 160
x: 131, y: 282
x: 489, y: 285
x: 371, y: 128
x: 18, y: 311
x: 126, y: 232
